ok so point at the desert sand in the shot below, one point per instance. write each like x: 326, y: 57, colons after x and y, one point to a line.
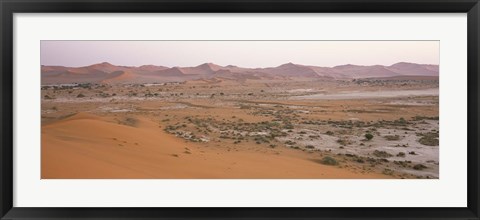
x: 244, y: 124
x: 87, y: 146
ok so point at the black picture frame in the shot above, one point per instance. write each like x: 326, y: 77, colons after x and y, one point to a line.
x: 9, y: 7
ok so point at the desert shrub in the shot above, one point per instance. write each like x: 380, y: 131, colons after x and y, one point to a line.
x: 429, y: 139
x: 382, y: 160
x: 419, y: 118
x: 288, y: 126
x: 129, y: 121
x: 392, y: 137
x: 170, y: 128
x: 329, y: 161
x: 419, y: 167
x: 85, y: 85
x: 401, y: 121
x: 402, y: 163
x: 343, y: 141
x: 387, y: 171
x: 309, y: 147
x: 329, y: 133
x: 401, y: 154
x: 381, y: 154
x: 371, y: 160
x: 368, y: 136
x: 289, y: 142
x: 80, y: 95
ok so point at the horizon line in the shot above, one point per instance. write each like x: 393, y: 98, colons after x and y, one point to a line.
x: 106, y: 62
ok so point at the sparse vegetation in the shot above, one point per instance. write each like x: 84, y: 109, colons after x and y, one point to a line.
x: 429, y: 139
x: 362, y: 136
x: 381, y: 154
x: 392, y: 137
x: 419, y: 167
x: 310, y: 147
x: 387, y: 171
x: 329, y: 161
x: 344, y: 141
x: 368, y: 136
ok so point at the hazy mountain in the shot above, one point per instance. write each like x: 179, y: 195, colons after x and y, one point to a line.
x: 292, y: 70
x: 414, y: 69
x: 108, y: 73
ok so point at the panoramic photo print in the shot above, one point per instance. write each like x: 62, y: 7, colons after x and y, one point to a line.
x: 239, y: 109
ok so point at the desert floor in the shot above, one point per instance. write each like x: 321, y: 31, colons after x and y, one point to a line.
x: 253, y: 129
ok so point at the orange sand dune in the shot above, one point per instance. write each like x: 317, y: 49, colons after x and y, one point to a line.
x: 88, y: 146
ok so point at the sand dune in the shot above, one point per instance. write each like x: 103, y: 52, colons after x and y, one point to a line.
x: 413, y: 69
x: 101, y: 73
x: 90, y: 146
x: 119, y: 76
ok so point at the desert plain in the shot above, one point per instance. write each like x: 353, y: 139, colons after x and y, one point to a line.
x: 226, y: 122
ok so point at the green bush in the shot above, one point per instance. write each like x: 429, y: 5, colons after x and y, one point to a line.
x: 329, y: 161
x: 368, y: 136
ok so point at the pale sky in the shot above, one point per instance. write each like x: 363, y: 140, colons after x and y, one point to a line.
x: 239, y: 53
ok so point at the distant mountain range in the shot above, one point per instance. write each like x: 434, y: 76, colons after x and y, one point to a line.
x: 108, y: 73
